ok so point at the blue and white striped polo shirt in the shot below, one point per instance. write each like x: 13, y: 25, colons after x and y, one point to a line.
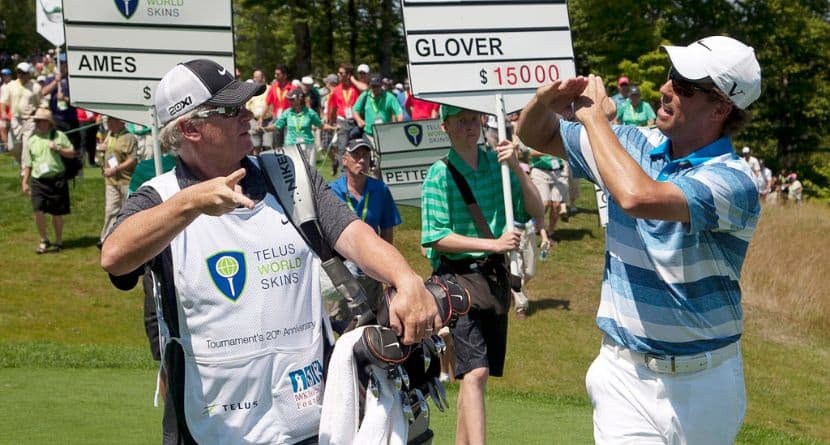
x: 670, y: 287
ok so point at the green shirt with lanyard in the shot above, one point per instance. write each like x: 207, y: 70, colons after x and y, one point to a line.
x: 298, y: 125
x: 377, y: 109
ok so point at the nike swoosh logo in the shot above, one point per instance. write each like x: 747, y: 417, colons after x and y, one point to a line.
x: 284, y: 221
x: 459, y: 296
x: 392, y: 344
x: 222, y: 72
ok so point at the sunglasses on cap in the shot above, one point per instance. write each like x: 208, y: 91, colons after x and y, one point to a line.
x: 686, y: 87
x: 226, y: 112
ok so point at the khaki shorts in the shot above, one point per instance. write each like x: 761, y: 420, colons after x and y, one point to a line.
x: 552, y: 184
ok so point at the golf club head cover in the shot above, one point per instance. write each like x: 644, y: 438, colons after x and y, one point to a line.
x: 452, y: 300
x: 380, y: 346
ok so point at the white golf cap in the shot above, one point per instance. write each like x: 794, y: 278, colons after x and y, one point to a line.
x: 24, y: 67
x: 197, y: 82
x: 307, y: 80
x: 363, y: 68
x: 730, y: 64
x: 745, y: 150
x: 399, y: 86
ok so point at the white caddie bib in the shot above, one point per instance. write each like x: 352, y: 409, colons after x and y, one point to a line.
x: 250, y: 323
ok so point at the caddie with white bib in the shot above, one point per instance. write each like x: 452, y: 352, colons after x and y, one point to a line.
x: 237, y: 284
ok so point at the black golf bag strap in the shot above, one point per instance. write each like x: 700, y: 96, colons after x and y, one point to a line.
x: 469, y: 200
x: 288, y: 177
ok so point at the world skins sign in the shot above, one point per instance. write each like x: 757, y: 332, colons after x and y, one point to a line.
x: 118, y: 50
x: 407, y: 150
x: 464, y: 52
x: 49, y: 15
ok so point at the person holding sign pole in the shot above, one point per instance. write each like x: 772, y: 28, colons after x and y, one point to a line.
x: 469, y: 246
x: 682, y: 209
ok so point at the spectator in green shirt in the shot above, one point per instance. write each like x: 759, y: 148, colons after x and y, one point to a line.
x: 376, y: 106
x: 298, y: 121
x: 48, y: 190
x: 635, y: 111
x: 475, y: 260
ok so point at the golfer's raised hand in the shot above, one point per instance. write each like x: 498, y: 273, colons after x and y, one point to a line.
x: 593, y: 100
x: 561, y: 94
x: 220, y: 195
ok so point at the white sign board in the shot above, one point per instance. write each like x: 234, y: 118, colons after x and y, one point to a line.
x: 50, y: 20
x: 407, y: 150
x: 118, y: 50
x: 464, y: 52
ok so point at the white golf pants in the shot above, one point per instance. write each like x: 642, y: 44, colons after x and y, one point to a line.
x: 635, y: 405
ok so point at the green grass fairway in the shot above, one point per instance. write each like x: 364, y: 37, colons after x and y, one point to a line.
x: 75, y: 366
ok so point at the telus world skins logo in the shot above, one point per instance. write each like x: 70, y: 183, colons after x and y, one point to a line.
x: 126, y: 7
x: 228, y: 271
x: 414, y: 133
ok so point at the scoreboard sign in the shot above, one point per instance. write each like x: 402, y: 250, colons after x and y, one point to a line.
x: 464, y: 52
x: 118, y: 50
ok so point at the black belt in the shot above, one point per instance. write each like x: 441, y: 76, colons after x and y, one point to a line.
x: 471, y: 264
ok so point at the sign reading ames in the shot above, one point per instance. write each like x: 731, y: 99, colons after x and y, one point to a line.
x: 464, y: 52
x: 407, y: 150
x: 118, y: 50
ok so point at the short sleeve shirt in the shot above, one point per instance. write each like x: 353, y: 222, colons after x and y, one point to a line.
x: 421, y: 109
x: 24, y: 99
x: 673, y: 287
x: 298, y: 125
x: 443, y: 210
x: 343, y: 98
x: 628, y: 114
x: 377, y: 109
x: 376, y: 207
x: 44, y: 162
x: 277, y: 97
x: 120, y: 147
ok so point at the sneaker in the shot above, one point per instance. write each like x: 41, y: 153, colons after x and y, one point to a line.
x: 521, y: 314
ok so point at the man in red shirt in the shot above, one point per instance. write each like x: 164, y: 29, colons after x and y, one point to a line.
x: 277, y: 98
x: 420, y: 109
x: 341, y: 110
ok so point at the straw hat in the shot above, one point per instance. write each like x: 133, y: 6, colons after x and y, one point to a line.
x: 43, y: 114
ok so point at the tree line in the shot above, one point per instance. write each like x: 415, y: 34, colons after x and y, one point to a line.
x: 791, y: 39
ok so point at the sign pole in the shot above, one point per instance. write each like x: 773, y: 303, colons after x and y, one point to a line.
x: 505, y: 182
x: 155, y: 134
x: 58, y: 60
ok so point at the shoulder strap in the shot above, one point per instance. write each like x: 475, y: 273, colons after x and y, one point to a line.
x: 287, y: 176
x: 289, y: 179
x: 469, y: 199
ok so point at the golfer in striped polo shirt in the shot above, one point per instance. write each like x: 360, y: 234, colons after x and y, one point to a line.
x: 456, y: 247
x: 682, y: 210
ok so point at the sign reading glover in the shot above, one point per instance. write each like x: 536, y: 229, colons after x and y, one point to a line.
x: 463, y: 53
x: 118, y: 50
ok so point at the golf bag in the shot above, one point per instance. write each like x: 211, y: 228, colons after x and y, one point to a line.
x: 414, y: 369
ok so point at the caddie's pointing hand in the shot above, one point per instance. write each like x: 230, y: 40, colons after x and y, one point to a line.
x: 221, y: 195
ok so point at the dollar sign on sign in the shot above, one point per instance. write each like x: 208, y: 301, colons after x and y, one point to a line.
x: 483, y: 74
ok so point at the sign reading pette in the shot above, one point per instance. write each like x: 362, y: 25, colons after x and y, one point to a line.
x: 464, y: 52
x: 118, y: 50
x: 407, y: 150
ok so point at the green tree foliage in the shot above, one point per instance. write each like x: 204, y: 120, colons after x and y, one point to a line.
x: 20, y: 30
x: 792, y: 42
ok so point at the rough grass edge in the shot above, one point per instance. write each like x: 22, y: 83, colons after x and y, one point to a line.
x: 83, y: 356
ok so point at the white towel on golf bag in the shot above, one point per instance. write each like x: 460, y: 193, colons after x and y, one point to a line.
x: 383, y: 422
